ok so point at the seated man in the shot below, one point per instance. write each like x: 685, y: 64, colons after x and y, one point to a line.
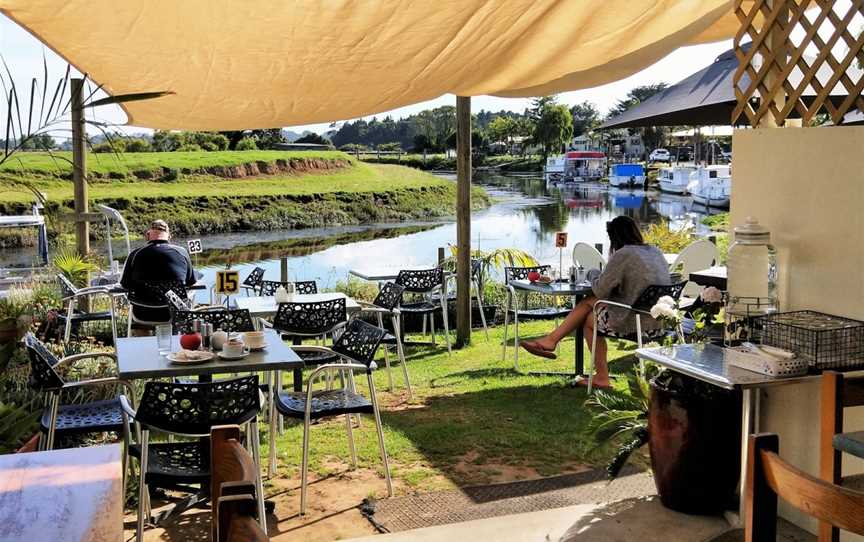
x: 156, y: 261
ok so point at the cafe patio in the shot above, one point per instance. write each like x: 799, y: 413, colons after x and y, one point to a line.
x: 344, y: 417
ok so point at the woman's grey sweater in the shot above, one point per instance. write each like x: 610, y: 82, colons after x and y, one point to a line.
x: 630, y: 270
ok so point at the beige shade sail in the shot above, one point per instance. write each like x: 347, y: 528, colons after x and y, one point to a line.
x: 236, y: 64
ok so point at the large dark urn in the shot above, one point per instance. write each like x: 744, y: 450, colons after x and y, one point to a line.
x: 695, y: 432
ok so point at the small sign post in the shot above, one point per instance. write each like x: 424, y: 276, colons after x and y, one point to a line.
x: 561, y: 244
x: 194, y: 247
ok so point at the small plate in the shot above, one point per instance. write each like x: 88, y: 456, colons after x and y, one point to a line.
x: 180, y: 358
x: 226, y: 357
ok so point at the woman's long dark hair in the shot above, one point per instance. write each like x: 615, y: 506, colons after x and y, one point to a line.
x: 623, y: 231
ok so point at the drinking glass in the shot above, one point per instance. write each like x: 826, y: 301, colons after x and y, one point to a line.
x: 163, y: 338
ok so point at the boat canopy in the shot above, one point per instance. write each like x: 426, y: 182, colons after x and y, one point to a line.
x: 34, y: 220
x: 627, y: 170
x: 585, y: 155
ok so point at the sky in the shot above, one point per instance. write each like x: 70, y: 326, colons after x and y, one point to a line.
x: 24, y: 55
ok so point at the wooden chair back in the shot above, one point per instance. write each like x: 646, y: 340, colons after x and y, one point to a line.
x: 232, y: 488
x: 838, y: 393
x: 769, y: 477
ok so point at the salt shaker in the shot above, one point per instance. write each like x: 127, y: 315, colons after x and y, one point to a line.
x: 196, y: 325
x: 572, y: 274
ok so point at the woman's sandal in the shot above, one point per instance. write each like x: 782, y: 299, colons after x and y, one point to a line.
x: 537, y: 350
x: 582, y: 382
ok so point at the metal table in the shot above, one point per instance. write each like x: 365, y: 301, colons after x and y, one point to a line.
x: 62, y: 495
x: 266, y: 306
x: 707, y: 362
x: 577, y: 291
x: 713, y: 276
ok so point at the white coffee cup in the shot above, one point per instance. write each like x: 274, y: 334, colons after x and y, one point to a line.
x: 234, y: 348
x: 255, y: 339
x: 218, y: 339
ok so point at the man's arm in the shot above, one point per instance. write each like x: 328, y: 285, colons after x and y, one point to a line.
x: 190, y: 271
x: 126, y: 279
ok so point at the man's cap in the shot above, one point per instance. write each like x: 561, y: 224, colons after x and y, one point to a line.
x: 160, y: 225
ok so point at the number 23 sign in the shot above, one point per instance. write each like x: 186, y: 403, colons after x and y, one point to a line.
x: 227, y: 282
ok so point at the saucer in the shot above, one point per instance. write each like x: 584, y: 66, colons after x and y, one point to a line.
x: 257, y: 348
x: 223, y: 355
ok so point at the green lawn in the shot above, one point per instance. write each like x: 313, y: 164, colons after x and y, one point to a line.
x: 358, y: 178
x: 472, y: 415
x: 104, y: 163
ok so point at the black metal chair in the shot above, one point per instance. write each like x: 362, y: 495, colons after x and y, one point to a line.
x: 75, y: 419
x: 71, y: 316
x: 429, y: 283
x: 269, y: 287
x: 641, y: 308
x: 152, y: 295
x: 253, y: 281
x: 230, y: 320
x: 355, y: 348
x: 545, y: 312
x: 387, y: 303
x: 191, y: 410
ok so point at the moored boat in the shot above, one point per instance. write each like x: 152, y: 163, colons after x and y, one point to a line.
x: 675, y: 180
x: 712, y: 186
x: 575, y: 167
x: 627, y: 175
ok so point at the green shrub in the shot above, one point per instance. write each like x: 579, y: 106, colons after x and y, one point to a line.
x: 718, y: 222
x: 362, y: 290
x: 247, y: 144
x: 138, y: 145
x: 666, y: 239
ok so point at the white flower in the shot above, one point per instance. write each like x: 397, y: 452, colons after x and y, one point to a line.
x: 666, y: 300
x: 662, y: 310
x: 711, y: 295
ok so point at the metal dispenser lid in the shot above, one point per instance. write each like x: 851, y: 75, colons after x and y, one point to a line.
x: 752, y: 232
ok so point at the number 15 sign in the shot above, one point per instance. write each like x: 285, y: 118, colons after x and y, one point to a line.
x: 227, y: 282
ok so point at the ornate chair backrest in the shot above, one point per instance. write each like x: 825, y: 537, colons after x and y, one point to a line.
x: 389, y: 296
x: 649, y: 296
x: 155, y: 292
x: 359, y: 341
x: 194, y: 408
x: 420, y: 281
x: 43, y: 376
x: 306, y: 287
x: 67, y: 289
x: 521, y: 273
x: 314, y: 318
x: 253, y: 280
x: 230, y: 320
x: 175, y: 302
x: 269, y: 287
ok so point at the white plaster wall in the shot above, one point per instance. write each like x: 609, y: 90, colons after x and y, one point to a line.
x: 807, y: 186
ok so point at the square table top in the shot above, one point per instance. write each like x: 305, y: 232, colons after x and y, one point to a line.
x: 62, y: 495
x: 707, y: 362
x: 557, y: 288
x: 265, y: 306
x: 138, y: 358
x: 713, y: 276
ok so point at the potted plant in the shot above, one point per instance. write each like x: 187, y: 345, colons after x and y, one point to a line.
x: 15, y: 319
x: 692, y: 428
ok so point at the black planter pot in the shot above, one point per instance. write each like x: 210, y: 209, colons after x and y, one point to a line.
x: 695, y: 432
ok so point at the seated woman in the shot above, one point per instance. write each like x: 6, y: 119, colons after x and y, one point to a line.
x: 632, y: 267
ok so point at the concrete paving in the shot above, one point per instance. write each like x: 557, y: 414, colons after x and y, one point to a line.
x: 643, y: 519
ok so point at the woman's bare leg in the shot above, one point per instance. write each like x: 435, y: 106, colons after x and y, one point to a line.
x: 601, y: 369
x: 580, y: 314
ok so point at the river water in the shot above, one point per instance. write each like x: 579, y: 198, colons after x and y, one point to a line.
x: 525, y: 214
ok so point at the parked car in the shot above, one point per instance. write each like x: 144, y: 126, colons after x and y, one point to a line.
x: 659, y: 155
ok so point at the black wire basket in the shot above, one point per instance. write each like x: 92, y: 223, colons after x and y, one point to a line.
x: 824, y: 340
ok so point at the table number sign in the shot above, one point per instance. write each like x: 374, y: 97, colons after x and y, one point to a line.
x: 227, y: 282
x: 561, y: 239
x: 194, y: 246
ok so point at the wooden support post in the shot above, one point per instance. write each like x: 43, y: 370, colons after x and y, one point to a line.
x: 283, y: 269
x: 79, y: 168
x: 463, y: 220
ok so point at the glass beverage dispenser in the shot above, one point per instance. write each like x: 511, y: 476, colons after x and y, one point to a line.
x: 752, y: 280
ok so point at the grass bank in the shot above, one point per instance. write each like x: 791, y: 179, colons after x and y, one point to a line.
x: 434, y: 162
x: 225, y: 192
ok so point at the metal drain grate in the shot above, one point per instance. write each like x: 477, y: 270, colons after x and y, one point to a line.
x: 480, y: 502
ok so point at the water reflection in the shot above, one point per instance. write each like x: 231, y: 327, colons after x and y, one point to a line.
x: 526, y: 214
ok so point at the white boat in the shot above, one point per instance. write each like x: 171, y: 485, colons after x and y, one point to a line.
x: 575, y: 167
x: 676, y: 179
x: 554, y: 171
x: 627, y: 175
x: 712, y: 186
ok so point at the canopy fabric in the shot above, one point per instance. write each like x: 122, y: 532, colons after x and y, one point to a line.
x: 234, y: 64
